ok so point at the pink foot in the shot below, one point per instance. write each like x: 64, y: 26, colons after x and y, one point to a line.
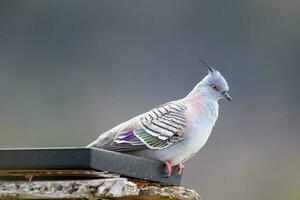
x: 169, y: 168
x: 180, y: 168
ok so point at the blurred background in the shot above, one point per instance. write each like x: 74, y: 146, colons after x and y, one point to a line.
x: 70, y: 70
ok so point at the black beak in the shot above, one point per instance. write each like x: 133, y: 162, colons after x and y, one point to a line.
x: 226, y: 95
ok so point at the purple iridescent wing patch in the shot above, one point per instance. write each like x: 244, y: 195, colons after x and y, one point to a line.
x: 127, y: 136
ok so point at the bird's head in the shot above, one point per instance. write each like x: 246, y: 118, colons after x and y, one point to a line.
x: 214, y: 84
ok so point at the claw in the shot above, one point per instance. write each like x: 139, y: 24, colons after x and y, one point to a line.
x: 169, y: 167
x: 180, y: 168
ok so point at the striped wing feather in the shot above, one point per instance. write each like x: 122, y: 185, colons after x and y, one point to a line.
x: 158, y: 129
x: 162, y: 126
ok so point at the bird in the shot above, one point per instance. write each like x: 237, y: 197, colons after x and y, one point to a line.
x: 175, y: 131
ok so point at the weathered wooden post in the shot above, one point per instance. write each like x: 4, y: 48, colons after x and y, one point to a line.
x: 85, y: 173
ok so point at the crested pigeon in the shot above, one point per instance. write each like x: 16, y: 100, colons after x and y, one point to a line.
x: 175, y: 131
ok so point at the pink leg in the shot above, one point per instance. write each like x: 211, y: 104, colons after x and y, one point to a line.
x: 180, y: 168
x: 169, y: 167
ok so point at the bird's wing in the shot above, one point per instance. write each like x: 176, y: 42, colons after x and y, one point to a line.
x: 157, y: 129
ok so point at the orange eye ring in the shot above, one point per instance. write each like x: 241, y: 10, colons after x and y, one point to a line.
x: 216, y: 88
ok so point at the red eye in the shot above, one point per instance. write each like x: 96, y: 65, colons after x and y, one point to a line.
x: 216, y: 88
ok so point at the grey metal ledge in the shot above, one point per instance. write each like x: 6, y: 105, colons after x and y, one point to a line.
x: 86, y: 159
